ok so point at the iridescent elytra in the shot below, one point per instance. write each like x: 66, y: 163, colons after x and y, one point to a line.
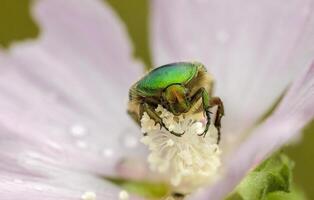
x: 178, y: 87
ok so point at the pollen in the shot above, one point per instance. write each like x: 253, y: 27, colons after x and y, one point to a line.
x: 190, y: 161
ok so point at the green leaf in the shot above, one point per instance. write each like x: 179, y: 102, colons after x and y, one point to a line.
x: 295, y: 194
x: 271, y: 180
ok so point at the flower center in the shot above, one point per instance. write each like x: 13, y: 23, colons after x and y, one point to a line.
x: 190, y: 161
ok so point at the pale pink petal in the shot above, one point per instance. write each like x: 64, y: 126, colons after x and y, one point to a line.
x: 58, y: 185
x: 36, y: 172
x: 65, y: 94
x: 253, y: 48
x: 293, y: 113
x: 65, y: 186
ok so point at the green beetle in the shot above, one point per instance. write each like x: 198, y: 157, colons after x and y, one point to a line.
x: 178, y: 87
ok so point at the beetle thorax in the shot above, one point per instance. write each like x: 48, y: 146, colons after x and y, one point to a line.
x: 176, y: 99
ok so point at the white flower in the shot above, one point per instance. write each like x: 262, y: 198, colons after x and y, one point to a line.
x: 63, y: 123
x: 190, y: 160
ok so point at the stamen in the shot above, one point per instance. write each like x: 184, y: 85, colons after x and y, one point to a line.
x: 190, y: 160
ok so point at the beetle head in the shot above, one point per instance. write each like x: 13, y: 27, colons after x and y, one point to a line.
x: 176, y: 99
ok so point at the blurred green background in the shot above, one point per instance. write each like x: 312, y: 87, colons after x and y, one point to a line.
x: 16, y: 24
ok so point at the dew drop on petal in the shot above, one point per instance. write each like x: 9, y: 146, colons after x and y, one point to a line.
x: 123, y: 195
x: 306, y: 11
x: 192, y: 49
x: 18, y: 181
x: 107, y: 152
x: 81, y: 144
x: 52, y: 97
x: 201, y: 1
x: 38, y: 188
x: 222, y: 36
x: 88, y: 196
x: 129, y: 141
x: 78, y: 130
x: 54, y: 145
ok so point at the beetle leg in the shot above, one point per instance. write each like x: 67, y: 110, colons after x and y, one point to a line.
x: 216, y: 101
x: 153, y: 115
x: 209, y: 102
x: 203, y: 94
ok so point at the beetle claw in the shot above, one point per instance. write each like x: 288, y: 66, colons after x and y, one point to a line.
x: 177, y: 134
x: 173, y: 133
x: 203, y: 134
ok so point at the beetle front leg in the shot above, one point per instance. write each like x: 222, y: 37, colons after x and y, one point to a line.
x: 209, y: 102
x: 153, y: 115
x: 216, y: 101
